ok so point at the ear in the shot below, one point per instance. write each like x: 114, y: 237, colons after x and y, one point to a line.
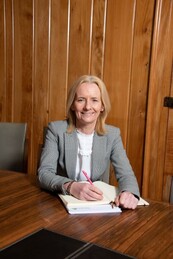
x: 102, y: 109
x: 72, y: 107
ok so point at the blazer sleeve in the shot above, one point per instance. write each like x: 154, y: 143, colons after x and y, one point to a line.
x: 48, y: 176
x: 123, y: 170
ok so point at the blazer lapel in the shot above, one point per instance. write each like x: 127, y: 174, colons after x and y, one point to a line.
x: 98, y: 156
x: 71, y: 146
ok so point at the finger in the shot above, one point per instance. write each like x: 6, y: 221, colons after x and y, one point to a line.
x: 117, y: 201
x: 95, y: 189
x: 95, y: 194
x: 87, y: 192
x: 89, y: 197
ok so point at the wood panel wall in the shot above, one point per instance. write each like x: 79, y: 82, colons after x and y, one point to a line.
x: 46, y: 44
x: 158, y: 166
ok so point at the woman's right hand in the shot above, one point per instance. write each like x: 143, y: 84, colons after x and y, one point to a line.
x: 86, y: 191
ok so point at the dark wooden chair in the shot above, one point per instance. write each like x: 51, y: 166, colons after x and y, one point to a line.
x: 13, y: 146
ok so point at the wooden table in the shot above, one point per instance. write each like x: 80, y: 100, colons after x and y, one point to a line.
x: 146, y: 232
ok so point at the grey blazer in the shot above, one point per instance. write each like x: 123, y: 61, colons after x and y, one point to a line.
x: 58, y: 158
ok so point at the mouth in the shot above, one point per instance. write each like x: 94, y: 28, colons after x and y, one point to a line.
x: 87, y: 113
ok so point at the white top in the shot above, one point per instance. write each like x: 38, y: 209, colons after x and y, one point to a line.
x: 84, y: 155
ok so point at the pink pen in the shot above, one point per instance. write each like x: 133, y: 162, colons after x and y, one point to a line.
x: 87, y: 177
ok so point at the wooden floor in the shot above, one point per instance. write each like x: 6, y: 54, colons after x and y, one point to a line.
x: 146, y: 232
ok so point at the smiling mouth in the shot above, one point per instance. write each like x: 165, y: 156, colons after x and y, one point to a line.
x: 85, y: 113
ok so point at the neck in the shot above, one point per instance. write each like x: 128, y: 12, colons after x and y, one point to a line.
x: 86, y: 130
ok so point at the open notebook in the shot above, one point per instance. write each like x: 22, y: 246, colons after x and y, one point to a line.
x: 76, y: 206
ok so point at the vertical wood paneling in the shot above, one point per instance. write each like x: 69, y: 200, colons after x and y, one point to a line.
x: 117, y: 66
x: 22, y: 61
x: 79, y: 46
x: 169, y: 138
x: 139, y: 84
x: 2, y: 62
x: 9, y: 52
x: 58, y: 59
x: 98, y: 37
x: 168, y: 167
x: 167, y: 185
x: 46, y: 44
x: 169, y: 145
x: 41, y: 75
x: 159, y: 87
x: 22, y: 105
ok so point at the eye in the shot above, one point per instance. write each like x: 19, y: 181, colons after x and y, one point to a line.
x: 95, y: 100
x: 80, y: 100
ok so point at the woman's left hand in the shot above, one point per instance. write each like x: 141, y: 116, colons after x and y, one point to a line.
x: 126, y: 200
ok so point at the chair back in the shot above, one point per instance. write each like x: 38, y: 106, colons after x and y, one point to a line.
x: 12, y: 146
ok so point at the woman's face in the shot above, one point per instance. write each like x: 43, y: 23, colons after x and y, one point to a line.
x: 87, y: 105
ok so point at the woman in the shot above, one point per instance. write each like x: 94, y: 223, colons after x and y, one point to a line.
x: 84, y: 142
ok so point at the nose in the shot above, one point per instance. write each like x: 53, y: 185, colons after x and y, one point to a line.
x: 87, y: 105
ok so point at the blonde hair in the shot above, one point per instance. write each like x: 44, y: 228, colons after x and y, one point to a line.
x: 100, y: 124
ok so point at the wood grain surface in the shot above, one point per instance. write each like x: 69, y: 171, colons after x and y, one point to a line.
x: 143, y: 233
